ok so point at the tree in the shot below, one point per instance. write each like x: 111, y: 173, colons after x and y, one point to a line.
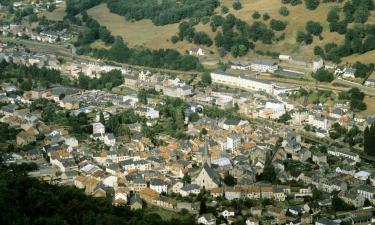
x: 174, y: 39
x: 203, y: 206
x: 300, y: 37
x: 255, y: 15
x: 237, y: 5
x: 266, y: 16
x: 333, y: 16
x: 323, y: 75
x: 229, y: 180
x: 284, y: 11
x: 284, y: 118
x: 186, y: 179
x: 319, y: 51
x: 314, y: 28
x: 312, y: 4
x: 224, y: 9
x: 277, y: 25
x: 268, y: 174
x: 206, y: 78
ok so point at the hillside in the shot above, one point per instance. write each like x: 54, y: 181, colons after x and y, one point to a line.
x: 145, y: 33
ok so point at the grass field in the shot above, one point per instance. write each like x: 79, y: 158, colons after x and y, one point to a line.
x: 370, y: 102
x: 368, y: 57
x: 138, y: 33
x: 297, y: 18
x: 144, y: 33
x: 57, y: 14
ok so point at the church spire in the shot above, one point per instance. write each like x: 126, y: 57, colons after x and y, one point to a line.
x: 206, y: 154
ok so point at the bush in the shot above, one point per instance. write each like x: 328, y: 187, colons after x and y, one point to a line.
x: 237, y: 5
x: 174, y: 39
x: 266, y: 17
x: 312, y: 4
x: 284, y: 11
x: 277, y: 25
x: 224, y: 9
x: 314, y: 28
x: 255, y: 15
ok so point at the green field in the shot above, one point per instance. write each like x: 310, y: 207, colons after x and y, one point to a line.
x: 145, y: 33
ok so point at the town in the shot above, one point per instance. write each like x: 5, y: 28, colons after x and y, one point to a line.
x: 234, y: 134
x: 203, y: 147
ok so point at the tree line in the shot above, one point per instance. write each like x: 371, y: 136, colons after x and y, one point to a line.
x: 162, y: 12
x: 161, y: 58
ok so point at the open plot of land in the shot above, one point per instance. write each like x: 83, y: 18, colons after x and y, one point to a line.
x: 368, y: 57
x: 297, y: 18
x: 58, y: 13
x: 370, y: 102
x: 138, y: 33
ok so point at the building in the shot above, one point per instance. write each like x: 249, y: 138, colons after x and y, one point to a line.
x: 264, y: 66
x: 317, y: 63
x: 159, y: 186
x: 207, y: 178
x: 98, y: 128
x: 242, y: 81
x: 207, y: 219
x: 348, y: 73
x: 370, y: 82
x: 318, y: 121
x: 197, y: 51
x: 240, y: 66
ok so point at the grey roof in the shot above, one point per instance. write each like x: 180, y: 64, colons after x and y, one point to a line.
x: 212, y: 173
x: 157, y: 182
x: 263, y: 62
x: 243, y: 77
x: 190, y: 187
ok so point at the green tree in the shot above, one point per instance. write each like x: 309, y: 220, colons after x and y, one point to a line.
x: 206, y: 78
x: 186, y: 179
x: 255, y: 15
x: 314, y: 28
x: 237, y: 5
x: 229, y: 180
x: 284, y: 118
x: 323, y: 75
x: 283, y: 11
x: 312, y: 4
x: 277, y: 25
x: 224, y: 9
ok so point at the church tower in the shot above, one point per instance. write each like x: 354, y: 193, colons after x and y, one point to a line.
x: 206, y: 155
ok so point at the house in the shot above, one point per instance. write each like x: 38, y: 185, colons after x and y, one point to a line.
x: 197, y: 51
x: 207, y: 178
x: 109, y: 139
x: 98, y: 128
x: 227, y: 213
x: 370, y: 82
x: 158, y: 186
x: 263, y: 66
x: 344, y: 154
x: 189, y: 189
x: 135, y: 202
x: 366, y: 191
x: 207, y: 219
x: 349, y: 73
x: 352, y: 198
